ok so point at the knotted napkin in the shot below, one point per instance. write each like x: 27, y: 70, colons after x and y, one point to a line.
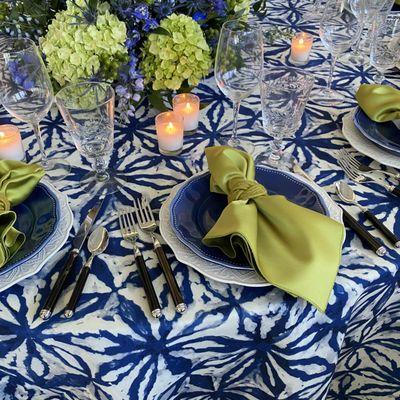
x: 380, y: 102
x: 293, y: 248
x: 17, y: 180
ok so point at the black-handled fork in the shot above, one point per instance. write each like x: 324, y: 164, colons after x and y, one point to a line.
x: 130, y: 233
x: 147, y: 223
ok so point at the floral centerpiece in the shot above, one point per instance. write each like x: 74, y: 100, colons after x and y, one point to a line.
x: 146, y: 48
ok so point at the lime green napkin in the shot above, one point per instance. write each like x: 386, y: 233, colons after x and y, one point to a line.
x: 17, y: 180
x: 380, y: 102
x: 293, y: 248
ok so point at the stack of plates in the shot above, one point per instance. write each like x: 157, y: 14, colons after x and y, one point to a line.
x: 380, y: 141
x: 46, y: 219
x: 191, y: 210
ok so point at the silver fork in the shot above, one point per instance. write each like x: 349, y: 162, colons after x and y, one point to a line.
x: 362, y: 168
x: 353, y: 174
x: 147, y: 223
x: 130, y: 234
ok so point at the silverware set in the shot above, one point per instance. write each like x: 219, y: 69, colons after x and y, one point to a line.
x: 361, y: 173
x: 140, y: 214
x: 65, y: 272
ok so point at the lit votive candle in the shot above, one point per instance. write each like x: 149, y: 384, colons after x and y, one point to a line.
x: 169, y: 128
x: 11, y: 143
x: 188, y: 105
x: 301, y: 48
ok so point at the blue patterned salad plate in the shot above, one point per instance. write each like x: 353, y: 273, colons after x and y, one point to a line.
x: 386, y: 135
x: 194, y: 209
x: 46, y: 219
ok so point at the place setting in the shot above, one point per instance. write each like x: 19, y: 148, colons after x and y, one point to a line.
x: 155, y: 252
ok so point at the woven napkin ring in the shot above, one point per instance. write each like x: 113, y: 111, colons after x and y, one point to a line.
x: 244, y: 189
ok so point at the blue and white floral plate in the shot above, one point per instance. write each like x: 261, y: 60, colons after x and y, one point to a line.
x: 191, y: 210
x: 46, y: 219
x: 384, y: 134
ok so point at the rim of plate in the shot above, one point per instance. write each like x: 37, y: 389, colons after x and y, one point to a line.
x: 394, y: 148
x: 365, y: 146
x: 215, y: 271
x: 54, y: 243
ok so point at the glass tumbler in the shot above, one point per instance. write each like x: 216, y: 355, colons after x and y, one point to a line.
x: 284, y: 95
x: 88, y: 111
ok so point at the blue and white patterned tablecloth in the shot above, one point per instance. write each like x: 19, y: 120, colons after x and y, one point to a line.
x: 233, y: 342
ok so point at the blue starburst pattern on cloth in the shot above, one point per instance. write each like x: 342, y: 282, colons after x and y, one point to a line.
x: 233, y: 343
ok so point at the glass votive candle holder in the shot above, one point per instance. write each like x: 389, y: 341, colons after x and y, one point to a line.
x: 301, y: 48
x: 11, y: 143
x: 169, y: 128
x: 188, y: 105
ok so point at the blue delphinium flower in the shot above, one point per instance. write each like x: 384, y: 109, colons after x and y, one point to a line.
x: 164, y: 8
x: 199, y: 16
x: 219, y: 7
x: 20, y: 75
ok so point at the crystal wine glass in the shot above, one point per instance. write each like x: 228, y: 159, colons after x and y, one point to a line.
x: 385, y: 49
x: 339, y: 29
x: 362, y: 10
x: 27, y: 94
x: 376, y: 10
x: 284, y: 95
x: 88, y: 111
x: 238, y: 66
x: 315, y: 11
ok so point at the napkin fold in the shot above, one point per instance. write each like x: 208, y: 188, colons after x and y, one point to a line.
x: 293, y: 248
x: 17, y: 180
x: 380, y: 102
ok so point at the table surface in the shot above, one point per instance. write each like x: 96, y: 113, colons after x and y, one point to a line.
x: 233, y: 342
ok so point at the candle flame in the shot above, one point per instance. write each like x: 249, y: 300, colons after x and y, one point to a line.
x: 301, y: 41
x: 170, y: 127
x: 188, y: 107
x: 2, y: 134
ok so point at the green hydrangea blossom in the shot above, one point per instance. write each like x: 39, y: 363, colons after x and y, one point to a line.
x: 239, y: 5
x: 169, y: 60
x: 76, y: 51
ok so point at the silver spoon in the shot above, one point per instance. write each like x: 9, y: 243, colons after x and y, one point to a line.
x: 346, y: 194
x: 97, y: 243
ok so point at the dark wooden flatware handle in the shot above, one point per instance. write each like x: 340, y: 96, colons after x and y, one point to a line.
x: 76, y: 294
x: 55, y: 292
x: 396, y: 190
x: 176, y: 294
x: 379, y: 225
x: 374, y: 243
x: 148, y: 286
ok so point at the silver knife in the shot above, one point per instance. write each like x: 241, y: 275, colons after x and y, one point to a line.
x: 77, y: 243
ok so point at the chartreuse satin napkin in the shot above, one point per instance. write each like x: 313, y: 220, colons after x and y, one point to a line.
x: 380, y: 102
x: 293, y: 248
x: 17, y: 180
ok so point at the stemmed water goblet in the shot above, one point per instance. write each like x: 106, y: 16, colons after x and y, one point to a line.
x: 27, y: 94
x: 88, y: 111
x: 385, y: 48
x: 238, y: 66
x: 339, y: 29
x: 315, y: 11
x: 284, y: 95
